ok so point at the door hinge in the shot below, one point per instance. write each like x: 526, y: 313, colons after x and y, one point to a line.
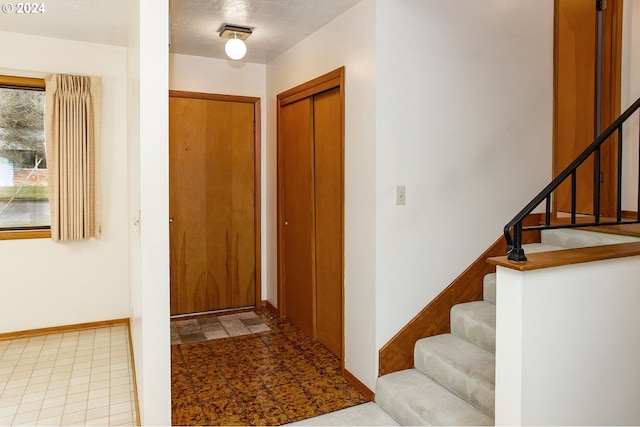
x: 601, y: 5
x: 254, y: 127
x: 601, y: 176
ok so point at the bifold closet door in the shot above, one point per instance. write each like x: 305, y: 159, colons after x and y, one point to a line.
x: 297, y: 213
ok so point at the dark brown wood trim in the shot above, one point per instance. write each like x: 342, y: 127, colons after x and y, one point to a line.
x: 359, y: 385
x: 536, y: 261
x: 214, y: 96
x: 21, y: 81
x: 271, y: 307
x: 257, y: 197
x: 629, y: 214
x: 64, y: 328
x: 397, y: 354
x: 25, y: 234
x: 325, y: 82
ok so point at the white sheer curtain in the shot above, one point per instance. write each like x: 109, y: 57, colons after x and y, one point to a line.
x: 72, y: 126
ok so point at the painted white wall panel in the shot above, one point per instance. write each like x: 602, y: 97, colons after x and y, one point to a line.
x: 46, y: 284
x: 574, y: 357
x: 464, y: 121
x: 630, y: 92
x: 149, y: 195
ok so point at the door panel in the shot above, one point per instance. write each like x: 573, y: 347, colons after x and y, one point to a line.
x: 187, y: 246
x: 575, y: 97
x: 575, y: 112
x: 297, y: 246
x: 211, y: 190
x: 327, y: 118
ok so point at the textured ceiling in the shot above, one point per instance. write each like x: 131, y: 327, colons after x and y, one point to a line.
x: 278, y: 24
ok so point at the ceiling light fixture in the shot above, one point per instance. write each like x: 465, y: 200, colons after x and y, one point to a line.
x: 235, y: 46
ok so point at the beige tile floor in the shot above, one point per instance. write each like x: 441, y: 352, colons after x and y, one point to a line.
x: 71, y: 378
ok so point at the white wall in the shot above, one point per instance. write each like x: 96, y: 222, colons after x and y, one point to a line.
x: 562, y: 360
x: 209, y: 75
x: 48, y: 284
x: 464, y: 121
x: 148, y: 132
x: 446, y: 98
x: 630, y: 93
x: 347, y: 41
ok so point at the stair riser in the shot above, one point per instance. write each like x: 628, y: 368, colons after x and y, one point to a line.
x: 476, y: 392
x: 477, y: 331
x: 489, y: 288
x: 411, y: 398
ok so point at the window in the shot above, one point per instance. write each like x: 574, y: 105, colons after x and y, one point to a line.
x: 24, y: 197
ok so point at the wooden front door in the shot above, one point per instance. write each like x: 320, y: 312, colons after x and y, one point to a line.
x: 575, y: 98
x: 310, y: 208
x: 212, y: 193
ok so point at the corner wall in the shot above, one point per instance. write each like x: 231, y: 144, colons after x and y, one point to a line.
x: 464, y: 121
x: 47, y: 284
x: 148, y: 130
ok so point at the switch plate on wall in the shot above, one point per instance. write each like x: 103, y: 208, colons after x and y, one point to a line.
x: 401, y: 195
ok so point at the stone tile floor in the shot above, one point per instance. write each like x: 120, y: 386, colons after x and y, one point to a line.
x: 211, y: 327
x: 271, y: 377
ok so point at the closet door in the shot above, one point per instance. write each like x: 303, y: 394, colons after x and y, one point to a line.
x: 296, y: 215
x: 328, y: 150
x: 311, y: 208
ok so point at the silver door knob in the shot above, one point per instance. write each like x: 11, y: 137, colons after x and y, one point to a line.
x: 286, y: 223
x: 170, y: 219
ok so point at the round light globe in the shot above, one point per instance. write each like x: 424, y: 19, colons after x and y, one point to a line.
x: 235, y: 48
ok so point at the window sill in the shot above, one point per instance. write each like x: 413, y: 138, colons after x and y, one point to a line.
x: 25, y: 234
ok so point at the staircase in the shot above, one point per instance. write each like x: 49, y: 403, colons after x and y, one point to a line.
x: 452, y: 382
x: 453, y: 379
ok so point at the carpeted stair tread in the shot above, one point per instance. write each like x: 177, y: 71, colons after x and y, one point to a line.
x: 475, y: 322
x: 530, y: 248
x: 459, y: 366
x: 366, y: 414
x: 572, y: 238
x: 412, y: 398
x: 489, y: 288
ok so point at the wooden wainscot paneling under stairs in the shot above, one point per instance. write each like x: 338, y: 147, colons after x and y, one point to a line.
x: 397, y: 354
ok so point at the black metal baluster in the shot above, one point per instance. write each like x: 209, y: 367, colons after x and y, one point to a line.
x: 573, y: 197
x: 596, y: 186
x: 619, y: 196
x: 547, y: 217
